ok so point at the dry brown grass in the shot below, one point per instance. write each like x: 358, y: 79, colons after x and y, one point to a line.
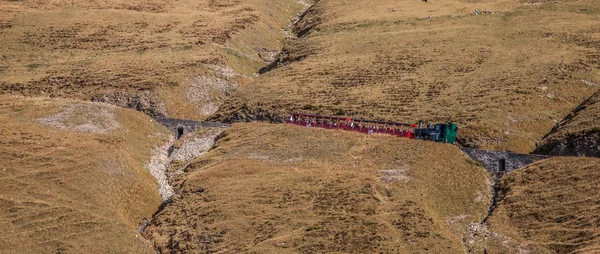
x: 73, y: 190
x: 280, y: 189
x: 578, y: 134
x: 72, y: 174
x: 506, y: 77
x: 119, y: 48
x: 550, y: 207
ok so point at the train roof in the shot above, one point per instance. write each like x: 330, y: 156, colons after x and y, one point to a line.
x: 355, y: 120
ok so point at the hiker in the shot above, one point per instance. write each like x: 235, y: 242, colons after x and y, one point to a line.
x: 486, y: 11
x: 476, y: 12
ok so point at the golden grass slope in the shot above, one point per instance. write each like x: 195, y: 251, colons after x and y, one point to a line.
x: 113, y: 50
x: 550, y: 207
x: 270, y: 188
x: 506, y: 77
x: 75, y: 183
x: 578, y: 134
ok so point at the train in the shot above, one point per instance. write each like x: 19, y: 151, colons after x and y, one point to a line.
x: 443, y: 132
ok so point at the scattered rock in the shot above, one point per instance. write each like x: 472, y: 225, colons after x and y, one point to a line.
x: 141, y: 101
x: 208, y: 93
x: 158, y: 165
x: 84, y: 117
x: 393, y: 175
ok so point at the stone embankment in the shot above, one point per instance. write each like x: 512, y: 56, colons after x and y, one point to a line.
x: 181, y: 127
x: 502, y: 161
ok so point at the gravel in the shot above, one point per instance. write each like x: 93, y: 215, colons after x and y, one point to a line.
x: 84, y: 117
x: 158, y: 165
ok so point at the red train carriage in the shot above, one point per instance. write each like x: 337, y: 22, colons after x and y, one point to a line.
x: 349, y: 124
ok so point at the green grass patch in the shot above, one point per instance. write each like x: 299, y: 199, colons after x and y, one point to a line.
x: 595, y: 130
x: 187, y: 47
x: 33, y: 66
x: 371, y: 223
x: 234, y: 53
x: 314, y: 227
x: 366, y: 189
x: 521, y: 91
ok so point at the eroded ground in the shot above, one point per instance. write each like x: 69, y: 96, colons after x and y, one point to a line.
x: 578, y: 134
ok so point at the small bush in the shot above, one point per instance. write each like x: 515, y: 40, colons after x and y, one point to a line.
x: 187, y: 47
x: 595, y: 130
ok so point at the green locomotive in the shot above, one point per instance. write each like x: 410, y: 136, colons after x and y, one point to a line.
x: 445, y: 133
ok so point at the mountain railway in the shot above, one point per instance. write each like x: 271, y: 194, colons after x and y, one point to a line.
x: 445, y: 133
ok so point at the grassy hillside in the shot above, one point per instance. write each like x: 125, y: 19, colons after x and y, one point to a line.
x: 72, y: 176
x: 550, y: 207
x: 162, y: 57
x: 578, y: 134
x: 507, y: 77
x: 282, y: 189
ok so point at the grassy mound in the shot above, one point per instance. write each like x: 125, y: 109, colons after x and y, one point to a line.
x: 550, y: 207
x: 74, y: 182
x: 279, y: 188
x: 578, y: 134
